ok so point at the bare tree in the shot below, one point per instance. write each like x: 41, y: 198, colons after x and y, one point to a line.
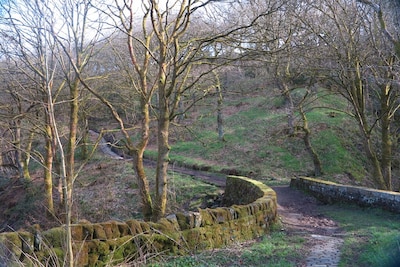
x: 280, y: 44
x: 27, y: 46
x: 361, y: 68
x: 167, y: 64
x: 49, y: 43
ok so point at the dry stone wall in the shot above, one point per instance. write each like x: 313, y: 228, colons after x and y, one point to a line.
x: 250, y: 209
x: 330, y: 192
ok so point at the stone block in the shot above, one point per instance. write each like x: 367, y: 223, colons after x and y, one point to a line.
x: 99, y: 232
x: 134, y: 227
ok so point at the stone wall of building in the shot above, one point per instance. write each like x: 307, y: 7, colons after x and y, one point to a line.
x: 250, y: 210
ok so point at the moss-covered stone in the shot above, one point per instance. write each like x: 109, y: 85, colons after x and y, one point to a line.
x: 241, y: 211
x: 207, y: 218
x: 88, y: 231
x: 11, y: 245
x: 27, y: 242
x: 93, y: 259
x: 54, y: 237
x: 164, y: 243
x: 111, y: 229
x: 183, y: 221
x: 242, y: 190
x: 196, y: 239
x: 49, y: 257
x: 145, y: 227
x: 77, y: 232
x: 220, y: 215
x: 117, y: 250
x: 81, y: 252
x: 134, y: 227
x: 172, y: 218
x: 98, y: 232
x: 123, y: 229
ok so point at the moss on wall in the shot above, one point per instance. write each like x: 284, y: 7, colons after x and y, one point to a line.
x: 250, y: 213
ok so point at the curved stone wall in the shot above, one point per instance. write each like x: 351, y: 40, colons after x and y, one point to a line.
x: 330, y: 192
x: 250, y: 210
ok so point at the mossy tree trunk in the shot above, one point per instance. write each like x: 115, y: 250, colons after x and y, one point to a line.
x: 357, y: 94
x: 386, y: 135
x: 138, y: 164
x: 48, y: 167
x: 162, y: 137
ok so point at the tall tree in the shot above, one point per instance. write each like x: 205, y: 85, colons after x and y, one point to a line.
x: 28, y: 46
x: 168, y: 62
x: 75, y: 40
x: 361, y: 69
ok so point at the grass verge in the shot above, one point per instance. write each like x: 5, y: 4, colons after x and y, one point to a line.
x: 278, y: 249
x: 372, y: 235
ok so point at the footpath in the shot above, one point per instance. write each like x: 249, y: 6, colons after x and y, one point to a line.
x: 299, y: 215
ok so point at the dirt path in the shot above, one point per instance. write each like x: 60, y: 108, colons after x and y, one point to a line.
x: 299, y: 215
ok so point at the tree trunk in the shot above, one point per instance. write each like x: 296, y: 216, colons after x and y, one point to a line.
x: 73, y: 128
x: 220, y: 119
x: 162, y: 166
x: 27, y: 156
x: 48, y: 168
x: 143, y: 183
x: 85, y: 138
x: 289, y: 106
x: 162, y: 142
x: 376, y: 165
x: 309, y: 147
x: 17, y: 147
x: 386, y: 140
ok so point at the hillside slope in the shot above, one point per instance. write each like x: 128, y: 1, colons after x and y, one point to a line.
x: 257, y: 143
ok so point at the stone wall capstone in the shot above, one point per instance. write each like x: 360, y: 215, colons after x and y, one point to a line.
x: 251, y: 211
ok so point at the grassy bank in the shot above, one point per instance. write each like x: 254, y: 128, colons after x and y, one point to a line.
x: 257, y: 144
x: 372, y: 236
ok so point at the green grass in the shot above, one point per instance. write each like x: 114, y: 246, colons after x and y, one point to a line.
x: 335, y: 155
x: 257, y: 143
x: 372, y: 236
x: 275, y: 250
